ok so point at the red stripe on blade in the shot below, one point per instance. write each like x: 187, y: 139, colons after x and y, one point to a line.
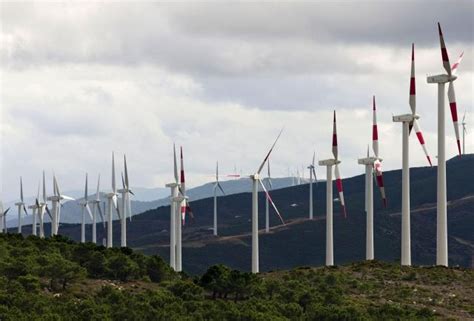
x: 420, y: 138
x: 375, y: 133
x: 412, y: 86
x: 454, y: 111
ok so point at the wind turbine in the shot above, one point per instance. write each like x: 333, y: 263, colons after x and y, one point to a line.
x: 268, y: 180
x: 85, y: 207
x: 42, y: 208
x: 111, y: 204
x: 329, y: 163
x: 183, y: 206
x: 255, y: 181
x: 21, y: 207
x: 126, y: 204
x: 441, y: 80
x: 3, y: 218
x: 56, y: 205
x: 312, y: 172
x: 174, y: 218
x: 464, y: 132
x: 373, y: 165
x: 35, y: 213
x: 409, y: 121
x: 96, y: 208
x: 217, y: 185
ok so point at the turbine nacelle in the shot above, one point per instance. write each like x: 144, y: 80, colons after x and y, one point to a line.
x: 329, y: 162
x: 368, y: 160
x: 440, y: 79
x: 405, y: 118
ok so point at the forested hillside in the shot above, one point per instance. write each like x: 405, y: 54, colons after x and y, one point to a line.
x: 57, y: 279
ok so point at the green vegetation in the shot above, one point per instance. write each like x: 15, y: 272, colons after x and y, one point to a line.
x: 57, y: 279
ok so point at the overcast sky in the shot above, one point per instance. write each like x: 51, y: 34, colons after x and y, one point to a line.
x: 79, y: 80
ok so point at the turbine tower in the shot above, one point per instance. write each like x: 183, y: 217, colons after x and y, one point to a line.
x: 85, y: 207
x: 441, y: 80
x: 217, y: 185
x: 126, y: 204
x: 56, y: 206
x: 111, y: 205
x: 267, y: 207
x: 21, y: 207
x: 408, y: 122
x: 96, y: 208
x: 3, y: 218
x: 255, y: 181
x: 42, y: 208
x: 329, y: 163
x: 373, y: 165
x: 312, y: 172
x: 173, y: 211
x: 182, y: 208
x: 35, y: 213
x: 464, y: 132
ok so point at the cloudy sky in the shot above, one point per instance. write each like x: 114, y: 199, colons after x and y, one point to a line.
x: 79, y: 80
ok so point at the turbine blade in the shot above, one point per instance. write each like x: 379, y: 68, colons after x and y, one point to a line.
x: 114, y: 188
x: 85, y: 189
x: 334, y: 137
x: 419, y: 135
x: 129, y: 208
x: 314, y: 156
x: 175, y: 165
x: 269, y: 152
x: 454, y: 68
x: 49, y: 213
x: 182, y: 172
x: 101, y: 213
x: 379, y: 180
x: 375, y: 132
x: 123, y: 181
x: 21, y: 189
x: 220, y: 187
x: 217, y: 171
x: 444, y: 52
x: 269, y: 198
x: 24, y: 209
x: 44, y: 188
x: 454, y: 113
x: 340, y: 190
x: 412, y: 99
x: 97, y: 195
x: 88, y: 210
x: 57, y: 186
x: 126, y: 171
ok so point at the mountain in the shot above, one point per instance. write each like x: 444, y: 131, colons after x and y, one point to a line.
x: 144, y: 198
x: 302, y: 242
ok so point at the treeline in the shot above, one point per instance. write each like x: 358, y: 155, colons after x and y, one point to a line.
x: 57, y: 279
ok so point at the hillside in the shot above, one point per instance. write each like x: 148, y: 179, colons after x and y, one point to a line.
x: 56, y: 279
x: 302, y: 242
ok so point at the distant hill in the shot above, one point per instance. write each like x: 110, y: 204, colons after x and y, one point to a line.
x: 145, y: 198
x: 302, y: 242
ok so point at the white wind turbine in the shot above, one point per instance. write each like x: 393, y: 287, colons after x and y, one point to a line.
x: 35, y: 213
x: 255, y: 181
x: 85, y: 208
x: 441, y: 80
x: 174, y: 213
x: 126, y: 204
x: 111, y: 204
x: 373, y: 166
x: 21, y: 207
x: 464, y: 132
x: 329, y: 163
x: 409, y: 121
x: 42, y: 208
x: 3, y: 218
x: 312, y: 172
x: 268, y: 180
x: 56, y: 206
x: 96, y: 209
x: 217, y: 185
